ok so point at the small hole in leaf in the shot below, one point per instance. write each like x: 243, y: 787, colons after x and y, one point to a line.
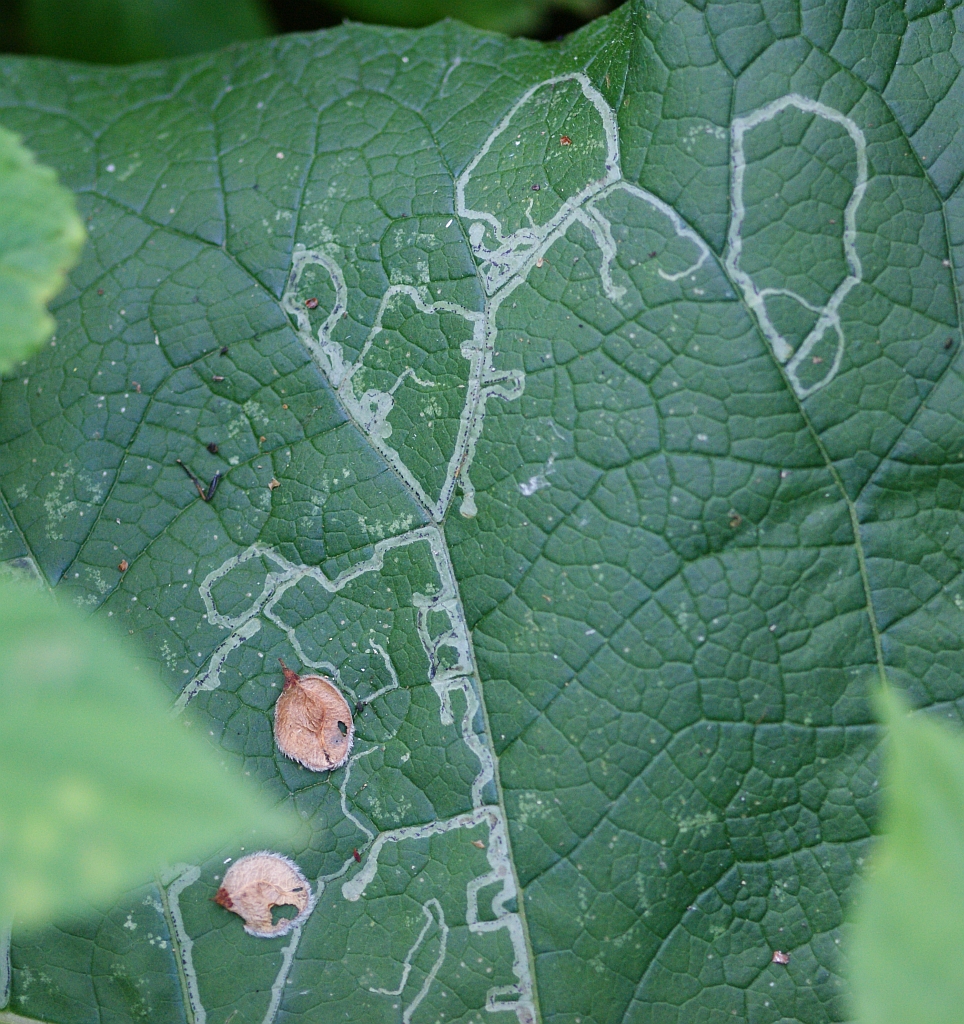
x: 282, y: 912
x: 342, y: 728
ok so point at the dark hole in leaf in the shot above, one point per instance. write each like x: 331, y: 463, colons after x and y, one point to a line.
x: 343, y: 728
x: 282, y: 912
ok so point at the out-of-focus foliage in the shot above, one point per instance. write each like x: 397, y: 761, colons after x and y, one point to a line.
x: 101, y: 787
x: 40, y: 240
x: 515, y: 17
x: 910, y: 920
x: 126, y: 31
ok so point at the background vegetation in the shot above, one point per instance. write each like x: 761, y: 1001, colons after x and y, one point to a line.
x: 123, y: 31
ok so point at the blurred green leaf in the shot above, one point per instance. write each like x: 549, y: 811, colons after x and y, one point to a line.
x: 513, y: 17
x: 124, y: 31
x: 100, y: 785
x: 40, y: 240
x: 510, y: 16
x: 910, y: 919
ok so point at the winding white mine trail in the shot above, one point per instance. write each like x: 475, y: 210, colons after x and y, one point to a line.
x: 505, y: 257
x: 828, y: 315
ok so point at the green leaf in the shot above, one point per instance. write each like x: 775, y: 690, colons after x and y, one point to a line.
x: 603, y: 499
x: 911, y: 910
x: 101, y: 788
x: 123, y: 31
x: 40, y: 240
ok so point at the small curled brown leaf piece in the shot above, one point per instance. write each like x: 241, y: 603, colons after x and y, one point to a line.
x: 260, y: 881
x: 313, y: 723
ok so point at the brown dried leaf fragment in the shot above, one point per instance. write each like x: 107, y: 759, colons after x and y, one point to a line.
x: 274, y: 483
x: 779, y: 957
x: 260, y: 881
x: 313, y: 724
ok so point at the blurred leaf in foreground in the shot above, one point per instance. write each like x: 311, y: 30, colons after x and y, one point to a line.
x: 40, y: 240
x: 100, y: 785
x: 910, y: 919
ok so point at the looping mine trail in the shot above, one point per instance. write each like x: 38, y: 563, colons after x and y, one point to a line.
x: 507, y: 242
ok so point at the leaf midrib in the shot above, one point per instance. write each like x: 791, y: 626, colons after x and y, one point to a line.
x: 251, y: 275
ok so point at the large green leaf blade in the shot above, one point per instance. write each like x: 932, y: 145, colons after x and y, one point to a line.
x: 615, y: 625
